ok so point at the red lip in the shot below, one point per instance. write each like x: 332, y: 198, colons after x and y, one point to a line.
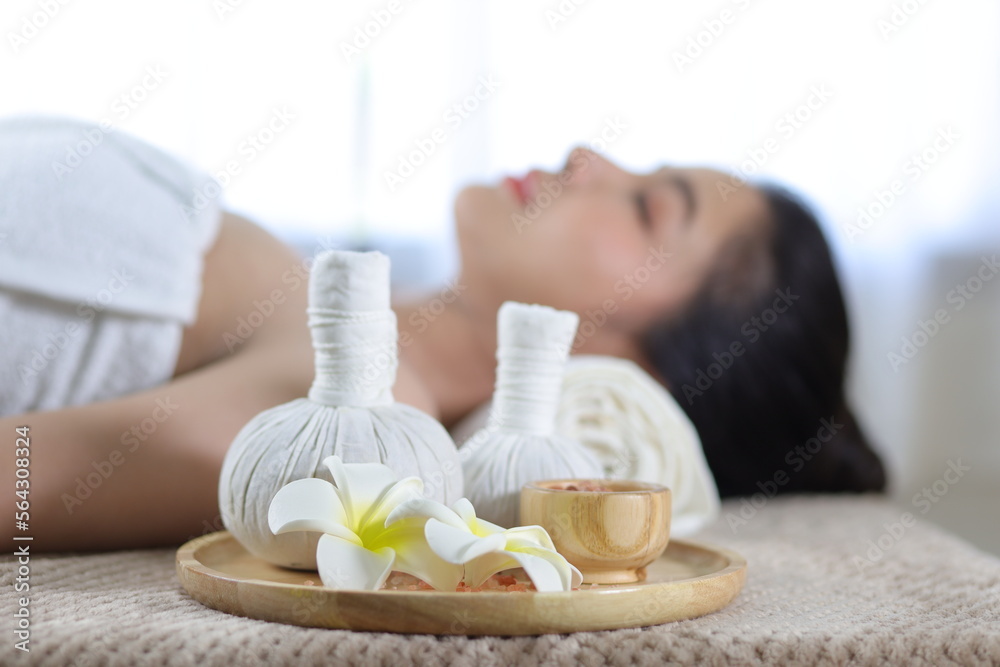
x: 524, y: 188
x: 516, y: 186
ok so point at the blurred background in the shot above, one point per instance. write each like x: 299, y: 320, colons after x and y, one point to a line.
x: 337, y: 123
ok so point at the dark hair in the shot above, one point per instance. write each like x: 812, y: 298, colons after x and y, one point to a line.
x: 757, y: 360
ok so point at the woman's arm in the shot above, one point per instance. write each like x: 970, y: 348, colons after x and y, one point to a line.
x: 142, y: 470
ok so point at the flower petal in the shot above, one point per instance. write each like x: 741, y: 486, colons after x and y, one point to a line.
x: 347, y: 566
x: 547, y: 570
x: 459, y: 545
x: 415, y: 556
x: 402, y: 491
x: 424, y: 508
x: 482, y: 527
x: 463, y: 508
x: 535, y: 535
x: 479, y: 569
x: 360, y: 485
x: 308, y: 504
x: 531, y: 559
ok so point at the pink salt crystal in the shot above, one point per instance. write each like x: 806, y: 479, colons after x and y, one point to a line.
x: 400, y: 581
x: 582, y: 485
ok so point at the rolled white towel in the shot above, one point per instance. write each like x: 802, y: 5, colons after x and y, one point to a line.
x: 637, y: 431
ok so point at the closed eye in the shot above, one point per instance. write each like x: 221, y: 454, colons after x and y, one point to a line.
x: 642, y: 208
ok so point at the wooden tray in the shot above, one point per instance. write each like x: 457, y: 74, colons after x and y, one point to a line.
x: 688, y: 581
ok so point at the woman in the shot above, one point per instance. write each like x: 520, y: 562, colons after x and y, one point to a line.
x: 673, y: 275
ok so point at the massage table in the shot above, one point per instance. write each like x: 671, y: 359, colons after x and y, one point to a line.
x: 831, y: 580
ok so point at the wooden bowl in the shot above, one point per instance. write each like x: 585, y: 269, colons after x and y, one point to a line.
x: 610, y: 536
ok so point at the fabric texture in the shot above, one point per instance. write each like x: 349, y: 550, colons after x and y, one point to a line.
x: 634, y: 428
x: 102, y: 241
x: 519, y: 443
x: 82, y: 201
x: 350, y: 412
x: 816, y: 594
x: 57, y: 354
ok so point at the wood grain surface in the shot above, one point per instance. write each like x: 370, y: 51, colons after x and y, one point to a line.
x: 608, y: 535
x: 687, y: 581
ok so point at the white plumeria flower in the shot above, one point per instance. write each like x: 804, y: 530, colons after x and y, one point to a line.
x: 458, y: 536
x: 358, y: 550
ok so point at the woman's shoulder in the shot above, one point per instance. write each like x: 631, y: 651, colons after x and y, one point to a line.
x: 412, y: 390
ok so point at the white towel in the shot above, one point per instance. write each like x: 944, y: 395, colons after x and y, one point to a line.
x: 78, y: 203
x: 102, y: 239
x: 636, y: 429
x: 55, y: 354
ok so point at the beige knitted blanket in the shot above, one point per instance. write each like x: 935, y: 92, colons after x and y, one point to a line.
x: 817, y: 593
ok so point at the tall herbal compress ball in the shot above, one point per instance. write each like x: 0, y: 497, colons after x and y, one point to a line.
x: 350, y: 412
x: 519, y: 443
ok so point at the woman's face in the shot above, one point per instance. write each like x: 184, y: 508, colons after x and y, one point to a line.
x: 619, y: 248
